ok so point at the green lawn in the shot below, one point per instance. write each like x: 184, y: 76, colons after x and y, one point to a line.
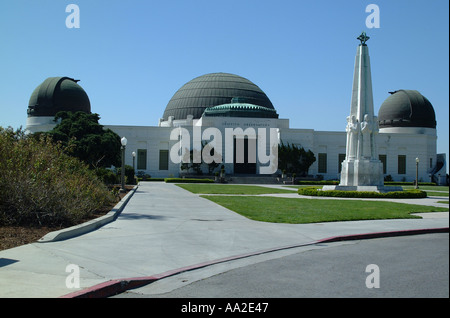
x: 428, y: 188
x: 436, y: 194
x: 231, y: 189
x: 435, y: 191
x: 286, y: 210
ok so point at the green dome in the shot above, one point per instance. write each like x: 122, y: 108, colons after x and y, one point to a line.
x: 241, y: 110
x: 58, y: 94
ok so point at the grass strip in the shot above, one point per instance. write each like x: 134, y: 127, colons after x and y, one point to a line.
x: 231, y: 189
x: 297, y: 211
x: 437, y: 194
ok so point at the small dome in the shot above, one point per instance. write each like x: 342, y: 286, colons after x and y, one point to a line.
x: 212, y: 90
x: 406, y: 108
x: 58, y: 94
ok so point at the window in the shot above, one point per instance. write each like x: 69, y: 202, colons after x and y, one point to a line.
x: 431, y: 163
x: 401, y: 164
x: 322, y: 163
x: 142, y: 159
x: 383, y: 159
x: 341, y: 158
x: 164, y: 160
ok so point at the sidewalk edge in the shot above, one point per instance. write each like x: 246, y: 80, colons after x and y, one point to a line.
x: 88, y: 226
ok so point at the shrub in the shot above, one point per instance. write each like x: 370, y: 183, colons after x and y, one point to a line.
x: 108, y: 176
x: 187, y: 180
x: 129, y: 175
x: 321, y: 182
x: 409, y: 183
x: 142, y: 176
x: 41, y: 185
x: 154, y: 179
x: 312, y: 191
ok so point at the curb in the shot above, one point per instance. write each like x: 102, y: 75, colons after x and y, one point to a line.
x: 88, y: 226
x: 117, y: 286
x: 383, y: 234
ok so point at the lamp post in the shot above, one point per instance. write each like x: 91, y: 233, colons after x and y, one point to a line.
x: 134, y: 156
x: 417, y: 173
x: 123, y: 141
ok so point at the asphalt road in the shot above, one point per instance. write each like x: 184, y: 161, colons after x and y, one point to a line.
x: 396, y: 267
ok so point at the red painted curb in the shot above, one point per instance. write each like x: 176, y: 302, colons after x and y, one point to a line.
x: 383, y: 234
x: 117, y: 286
x: 112, y: 287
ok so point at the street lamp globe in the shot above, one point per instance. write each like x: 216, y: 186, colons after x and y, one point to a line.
x: 123, y: 141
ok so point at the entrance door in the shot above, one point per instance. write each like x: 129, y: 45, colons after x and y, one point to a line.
x: 247, y: 166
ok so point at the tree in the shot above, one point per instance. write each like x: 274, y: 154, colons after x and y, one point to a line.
x: 84, y: 138
x: 197, y: 167
x: 295, y: 159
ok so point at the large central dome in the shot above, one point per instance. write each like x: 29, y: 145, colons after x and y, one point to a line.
x: 212, y: 90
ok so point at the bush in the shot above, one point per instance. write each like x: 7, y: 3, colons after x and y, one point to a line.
x: 108, y: 176
x: 142, y: 176
x: 41, y: 185
x: 312, y: 191
x: 153, y: 179
x: 409, y: 183
x: 129, y: 175
x: 187, y: 180
x: 321, y: 182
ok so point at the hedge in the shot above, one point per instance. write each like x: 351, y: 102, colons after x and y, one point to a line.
x: 409, y: 183
x: 321, y: 182
x: 187, y: 180
x: 312, y: 191
x: 334, y: 182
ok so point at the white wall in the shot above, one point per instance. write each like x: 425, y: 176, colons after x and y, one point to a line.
x: 391, y: 144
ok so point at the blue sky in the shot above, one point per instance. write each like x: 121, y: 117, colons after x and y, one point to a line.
x: 132, y: 56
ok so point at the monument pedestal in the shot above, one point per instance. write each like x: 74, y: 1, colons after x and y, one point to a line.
x: 362, y: 172
x: 362, y: 175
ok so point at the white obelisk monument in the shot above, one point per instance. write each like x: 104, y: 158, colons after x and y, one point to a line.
x: 361, y: 169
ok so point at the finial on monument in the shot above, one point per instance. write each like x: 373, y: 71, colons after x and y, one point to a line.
x: 363, y: 38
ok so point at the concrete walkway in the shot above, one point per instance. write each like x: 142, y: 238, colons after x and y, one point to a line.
x: 164, y: 229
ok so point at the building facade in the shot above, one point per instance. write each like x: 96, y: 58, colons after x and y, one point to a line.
x: 213, y: 107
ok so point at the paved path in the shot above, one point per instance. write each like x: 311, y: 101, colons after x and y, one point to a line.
x: 164, y: 228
